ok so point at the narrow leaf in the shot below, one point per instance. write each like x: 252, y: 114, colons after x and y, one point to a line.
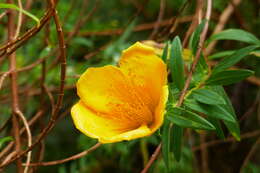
x: 176, y: 63
x: 188, y: 119
x: 14, y: 7
x: 165, y: 52
x: 235, y: 34
x: 218, y: 127
x: 232, y: 127
x: 4, y: 140
x: 233, y: 59
x: 166, y: 143
x: 177, y: 132
x: 215, y: 111
x: 207, y: 96
x: 195, y: 37
x: 222, y: 54
x: 228, y: 77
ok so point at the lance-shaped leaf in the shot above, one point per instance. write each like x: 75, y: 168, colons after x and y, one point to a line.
x: 207, y: 96
x: 188, y: 119
x: 177, y: 132
x: 233, y: 59
x: 215, y: 111
x: 176, y: 63
x: 166, y: 142
x: 228, y: 77
x: 233, y: 127
x: 235, y: 34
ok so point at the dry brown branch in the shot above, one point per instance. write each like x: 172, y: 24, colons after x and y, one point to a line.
x: 3, y: 77
x: 20, y: 19
x: 61, y: 89
x: 141, y: 27
x: 14, y: 89
x: 159, y: 19
x: 229, y: 139
x: 15, y: 44
x: 223, y: 19
x: 204, y: 154
x: 34, y: 119
x: 249, y: 155
x: 195, y: 22
x: 29, y: 135
x: 2, y: 15
x: 74, y: 157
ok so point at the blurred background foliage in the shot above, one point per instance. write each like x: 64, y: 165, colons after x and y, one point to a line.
x: 111, y: 27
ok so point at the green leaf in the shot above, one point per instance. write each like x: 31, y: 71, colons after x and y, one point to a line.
x: 215, y: 111
x: 235, y: 34
x: 166, y: 143
x: 232, y: 127
x: 165, y: 52
x: 218, y: 127
x: 233, y: 59
x: 195, y: 37
x: 177, y: 132
x: 222, y: 54
x: 176, y: 63
x: 4, y: 140
x: 188, y: 119
x: 228, y: 77
x: 207, y: 96
x: 14, y: 7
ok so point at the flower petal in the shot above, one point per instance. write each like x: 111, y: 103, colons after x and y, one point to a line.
x: 109, y: 92
x: 160, y: 110
x: 103, y: 129
x: 147, y: 71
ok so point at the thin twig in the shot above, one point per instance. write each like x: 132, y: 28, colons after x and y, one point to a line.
x: 2, y: 15
x: 3, y: 77
x: 74, y: 157
x: 223, y: 19
x: 29, y: 135
x: 159, y: 19
x: 204, y: 154
x: 229, y: 139
x: 61, y: 88
x: 14, y: 89
x: 20, y: 19
x: 249, y: 155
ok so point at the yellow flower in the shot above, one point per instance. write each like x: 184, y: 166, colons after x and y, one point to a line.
x: 125, y: 102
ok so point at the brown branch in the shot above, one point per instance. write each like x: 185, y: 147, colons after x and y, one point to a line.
x: 223, y: 19
x: 153, y: 158
x: 12, y: 45
x: 249, y: 155
x: 141, y: 27
x: 74, y: 157
x: 2, y: 15
x: 159, y: 19
x: 204, y: 154
x: 29, y: 135
x: 195, y: 22
x: 61, y: 88
x: 14, y: 90
x: 34, y: 119
x: 229, y: 139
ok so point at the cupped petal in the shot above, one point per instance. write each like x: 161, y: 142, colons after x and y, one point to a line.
x: 160, y: 110
x: 108, y: 91
x: 104, y: 129
x: 146, y: 70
